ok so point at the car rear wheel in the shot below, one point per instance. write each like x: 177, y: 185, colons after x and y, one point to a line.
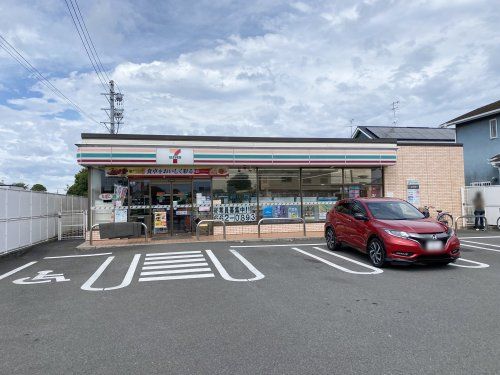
x: 331, y: 240
x: 376, y: 252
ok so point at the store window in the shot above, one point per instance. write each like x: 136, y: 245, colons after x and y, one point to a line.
x: 363, y: 182
x: 279, y: 193
x: 108, y: 197
x: 321, y: 188
x: 235, y: 196
x: 202, y: 205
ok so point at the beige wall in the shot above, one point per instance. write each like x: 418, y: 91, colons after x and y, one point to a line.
x: 439, y: 170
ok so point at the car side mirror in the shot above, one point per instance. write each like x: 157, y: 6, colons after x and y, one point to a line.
x: 360, y: 216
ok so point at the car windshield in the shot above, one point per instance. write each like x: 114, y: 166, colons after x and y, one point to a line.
x: 394, y: 210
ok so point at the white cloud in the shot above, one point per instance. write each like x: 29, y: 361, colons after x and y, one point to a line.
x: 299, y: 70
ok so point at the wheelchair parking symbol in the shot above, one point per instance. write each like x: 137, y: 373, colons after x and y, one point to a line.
x: 43, y: 277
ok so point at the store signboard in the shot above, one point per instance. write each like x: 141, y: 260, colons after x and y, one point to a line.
x: 237, y: 213
x: 174, y: 156
x: 164, y: 171
x: 413, y: 192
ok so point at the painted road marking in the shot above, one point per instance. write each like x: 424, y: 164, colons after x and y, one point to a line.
x: 280, y: 245
x: 181, y: 265
x: 42, y: 277
x: 77, y: 256
x: 373, y: 272
x: 180, y: 277
x: 166, y: 257
x: 471, y: 238
x: 7, y: 274
x: 477, y: 247
x: 126, y: 280
x: 225, y: 275
x: 174, y: 261
x: 174, y: 253
x: 481, y: 243
x: 477, y: 264
x: 168, y: 272
x: 174, y: 266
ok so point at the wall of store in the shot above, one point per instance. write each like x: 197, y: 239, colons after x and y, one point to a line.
x: 438, y: 170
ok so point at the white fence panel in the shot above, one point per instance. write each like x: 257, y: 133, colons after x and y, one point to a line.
x: 491, y: 195
x: 27, y: 217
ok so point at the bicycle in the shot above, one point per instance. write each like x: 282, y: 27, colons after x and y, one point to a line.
x: 498, y: 223
x: 442, y: 216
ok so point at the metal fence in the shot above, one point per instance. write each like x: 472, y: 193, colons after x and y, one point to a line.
x: 72, y: 225
x: 28, y: 218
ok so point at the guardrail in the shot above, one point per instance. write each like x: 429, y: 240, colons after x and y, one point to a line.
x: 96, y: 225
x: 210, y: 221
x: 296, y: 219
x: 471, y: 217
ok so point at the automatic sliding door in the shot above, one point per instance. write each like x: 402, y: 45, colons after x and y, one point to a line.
x: 181, y: 207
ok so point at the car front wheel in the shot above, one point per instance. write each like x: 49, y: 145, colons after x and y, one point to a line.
x: 376, y: 252
x: 331, y: 240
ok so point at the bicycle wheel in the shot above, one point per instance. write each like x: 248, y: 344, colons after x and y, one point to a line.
x: 498, y: 223
x: 446, y: 219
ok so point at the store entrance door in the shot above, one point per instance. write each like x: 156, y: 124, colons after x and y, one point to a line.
x: 182, y: 198
x: 171, y: 208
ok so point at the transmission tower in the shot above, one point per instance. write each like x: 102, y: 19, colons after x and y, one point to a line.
x: 115, y: 110
x: 395, y: 108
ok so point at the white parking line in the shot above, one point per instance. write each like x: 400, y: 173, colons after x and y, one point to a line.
x: 471, y: 238
x: 162, y: 278
x: 126, y: 280
x: 225, y: 275
x: 477, y: 247
x: 377, y: 270
x: 167, y: 257
x: 481, y: 243
x: 77, y: 256
x: 7, y: 274
x: 167, y: 272
x: 478, y: 264
x: 174, y: 253
x: 149, y: 263
x: 280, y: 245
x: 174, y: 266
x: 374, y: 272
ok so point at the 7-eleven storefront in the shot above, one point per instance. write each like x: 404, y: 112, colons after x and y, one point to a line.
x: 172, y: 182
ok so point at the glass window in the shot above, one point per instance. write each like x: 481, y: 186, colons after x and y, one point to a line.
x: 235, y: 196
x: 107, y: 193
x: 363, y: 176
x: 202, y: 190
x: 343, y: 208
x: 357, y: 208
x: 321, y: 188
x: 394, y: 210
x: 493, y: 129
x: 279, y: 193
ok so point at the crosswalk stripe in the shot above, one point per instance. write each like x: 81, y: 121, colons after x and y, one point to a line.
x: 165, y: 257
x: 178, y: 277
x: 174, y: 266
x: 148, y: 263
x: 167, y: 272
x: 175, y: 253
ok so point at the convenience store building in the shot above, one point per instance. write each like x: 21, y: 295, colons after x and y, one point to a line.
x: 172, y: 182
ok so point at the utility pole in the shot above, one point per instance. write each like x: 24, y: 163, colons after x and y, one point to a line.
x: 115, y: 110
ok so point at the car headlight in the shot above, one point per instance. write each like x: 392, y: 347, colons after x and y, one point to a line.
x: 397, y: 233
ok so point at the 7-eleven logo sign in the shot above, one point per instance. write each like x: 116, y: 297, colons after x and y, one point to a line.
x: 174, y: 156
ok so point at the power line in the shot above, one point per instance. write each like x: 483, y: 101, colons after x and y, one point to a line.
x: 84, y: 43
x: 16, y: 55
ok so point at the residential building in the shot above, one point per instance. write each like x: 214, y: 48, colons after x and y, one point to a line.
x: 478, y: 131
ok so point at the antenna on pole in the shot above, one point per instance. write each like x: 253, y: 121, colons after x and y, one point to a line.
x: 351, y: 121
x: 395, y: 108
x: 115, y: 110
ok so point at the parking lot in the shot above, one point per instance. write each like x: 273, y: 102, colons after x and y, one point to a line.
x: 247, y: 308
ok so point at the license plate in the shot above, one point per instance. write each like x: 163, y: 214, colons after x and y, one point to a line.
x: 434, y: 245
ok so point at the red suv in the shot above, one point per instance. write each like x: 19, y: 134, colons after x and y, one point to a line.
x: 390, y: 230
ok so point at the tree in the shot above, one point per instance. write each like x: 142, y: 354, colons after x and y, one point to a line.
x: 79, y: 187
x: 21, y: 185
x: 38, y: 187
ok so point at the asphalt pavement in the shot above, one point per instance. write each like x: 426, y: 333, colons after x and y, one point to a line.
x: 247, y: 308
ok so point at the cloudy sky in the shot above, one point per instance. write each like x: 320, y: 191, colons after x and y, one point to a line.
x: 260, y: 67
